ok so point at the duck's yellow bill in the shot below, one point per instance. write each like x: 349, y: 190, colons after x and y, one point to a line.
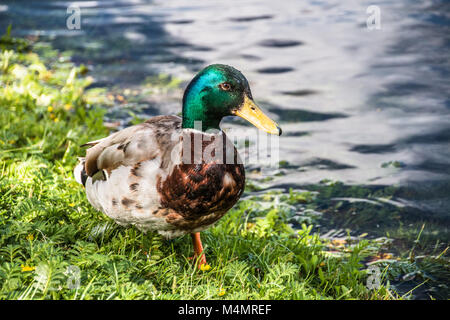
x: 253, y: 114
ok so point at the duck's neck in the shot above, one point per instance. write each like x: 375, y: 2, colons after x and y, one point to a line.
x: 195, y: 118
x: 196, y: 114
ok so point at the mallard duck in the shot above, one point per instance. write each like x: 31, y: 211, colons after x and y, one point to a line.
x: 155, y: 175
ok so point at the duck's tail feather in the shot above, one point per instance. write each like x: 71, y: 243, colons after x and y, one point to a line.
x: 80, y: 172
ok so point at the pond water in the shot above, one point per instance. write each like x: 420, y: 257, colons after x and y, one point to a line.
x: 369, y: 108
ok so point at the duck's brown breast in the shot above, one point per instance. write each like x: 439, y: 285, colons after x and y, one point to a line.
x: 198, y: 194
x: 201, y: 193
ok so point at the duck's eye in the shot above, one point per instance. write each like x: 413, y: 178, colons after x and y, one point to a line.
x: 225, y: 86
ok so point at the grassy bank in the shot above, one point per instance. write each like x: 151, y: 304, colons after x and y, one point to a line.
x: 48, y: 230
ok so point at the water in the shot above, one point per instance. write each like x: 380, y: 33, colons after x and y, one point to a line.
x: 369, y: 108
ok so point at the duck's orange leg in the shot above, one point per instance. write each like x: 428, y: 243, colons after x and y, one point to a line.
x: 198, y: 248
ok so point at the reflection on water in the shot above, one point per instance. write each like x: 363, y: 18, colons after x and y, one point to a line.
x: 351, y: 102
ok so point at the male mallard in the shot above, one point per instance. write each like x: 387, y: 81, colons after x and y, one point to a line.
x: 155, y: 175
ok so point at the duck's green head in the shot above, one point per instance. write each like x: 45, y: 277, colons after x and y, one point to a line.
x: 218, y: 91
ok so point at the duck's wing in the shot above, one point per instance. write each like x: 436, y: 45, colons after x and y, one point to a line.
x: 132, y: 145
x: 121, y: 172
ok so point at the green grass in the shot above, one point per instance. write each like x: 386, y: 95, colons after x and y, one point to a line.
x: 48, y: 226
